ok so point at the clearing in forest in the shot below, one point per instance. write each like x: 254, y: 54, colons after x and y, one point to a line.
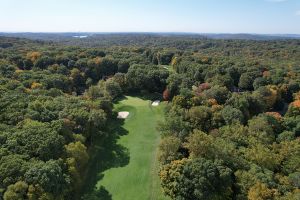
x: 127, y: 165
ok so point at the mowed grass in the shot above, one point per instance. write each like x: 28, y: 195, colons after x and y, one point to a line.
x: 136, y: 178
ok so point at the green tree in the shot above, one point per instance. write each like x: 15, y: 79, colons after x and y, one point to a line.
x: 123, y: 66
x: 17, y: 191
x: 232, y: 115
x: 197, y: 179
x: 263, y: 156
x: 12, y: 169
x: 200, y: 144
x: 113, y: 88
x: 168, y: 149
x: 36, y: 139
x: 78, y: 151
x: 77, y: 78
x: 218, y: 93
x: 200, y: 118
x: 43, y: 62
x: 48, y: 175
x: 246, y: 81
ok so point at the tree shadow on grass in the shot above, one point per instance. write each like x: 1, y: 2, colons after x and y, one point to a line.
x: 105, y: 155
x: 121, y: 98
x: 146, y: 95
x: 98, y: 194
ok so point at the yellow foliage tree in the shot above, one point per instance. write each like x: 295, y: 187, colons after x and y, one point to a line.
x: 212, y: 102
x: 297, y: 96
x: 36, y: 85
x: 274, y: 95
x: 18, y: 71
x: 263, y: 156
x: 33, y: 56
x: 260, y: 191
x: 168, y: 149
x: 97, y: 60
x: 200, y: 144
x: 174, y: 61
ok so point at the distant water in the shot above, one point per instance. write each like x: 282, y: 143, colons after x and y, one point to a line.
x: 80, y: 36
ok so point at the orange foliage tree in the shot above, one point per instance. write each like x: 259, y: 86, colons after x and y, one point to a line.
x: 166, y: 95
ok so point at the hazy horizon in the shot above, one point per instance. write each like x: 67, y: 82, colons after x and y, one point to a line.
x: 147, y: 32
x: 169, y: 16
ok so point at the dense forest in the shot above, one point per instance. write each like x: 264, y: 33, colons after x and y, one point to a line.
x: 232, y: 120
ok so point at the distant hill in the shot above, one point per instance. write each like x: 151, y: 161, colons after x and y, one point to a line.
x: 83, y: 35
x: 243, y: 36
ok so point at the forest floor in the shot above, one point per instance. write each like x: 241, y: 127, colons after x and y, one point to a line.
x: 125, y: 166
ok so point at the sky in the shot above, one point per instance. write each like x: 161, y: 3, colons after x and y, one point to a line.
x: 195, y: 16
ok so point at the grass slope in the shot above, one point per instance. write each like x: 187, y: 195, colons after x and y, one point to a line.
x: 130, y: 168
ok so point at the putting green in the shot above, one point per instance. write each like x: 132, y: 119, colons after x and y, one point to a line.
x: 133, y: 173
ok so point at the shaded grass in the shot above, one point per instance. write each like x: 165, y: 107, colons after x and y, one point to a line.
x: 105, y: 155
x: 124, y: 166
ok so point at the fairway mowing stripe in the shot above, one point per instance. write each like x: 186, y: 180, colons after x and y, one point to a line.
x: 154, y: 170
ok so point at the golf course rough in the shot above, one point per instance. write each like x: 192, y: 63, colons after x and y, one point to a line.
x: 137, y: 180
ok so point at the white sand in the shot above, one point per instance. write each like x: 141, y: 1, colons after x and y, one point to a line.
x: 123, y: 115
x: 156, y: 103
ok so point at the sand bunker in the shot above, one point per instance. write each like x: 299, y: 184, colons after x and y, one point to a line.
x: 155, y: 103
x: 123, y: 115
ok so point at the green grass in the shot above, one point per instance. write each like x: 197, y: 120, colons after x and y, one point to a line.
x: 126, y: 168
x: 167, y: 67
